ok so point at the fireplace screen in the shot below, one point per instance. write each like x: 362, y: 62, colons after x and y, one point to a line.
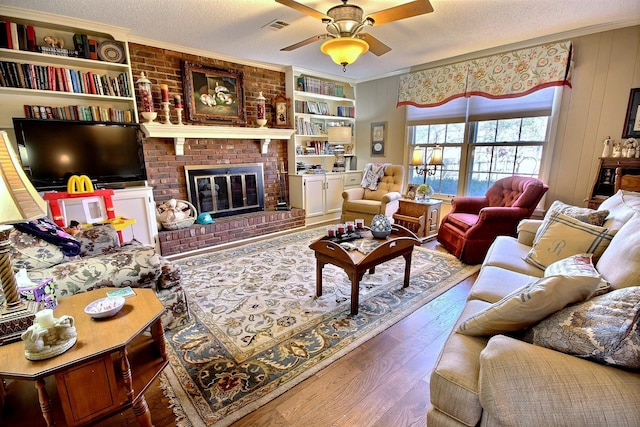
x: 226, y: 190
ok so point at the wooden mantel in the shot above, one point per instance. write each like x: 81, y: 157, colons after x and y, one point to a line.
x: 180, y: 133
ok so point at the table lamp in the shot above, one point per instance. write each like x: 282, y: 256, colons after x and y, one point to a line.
x: 426, y: 167
x: 19, y: 202
x: 339, y: 135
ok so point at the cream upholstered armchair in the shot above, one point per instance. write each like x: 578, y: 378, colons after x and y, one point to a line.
x: 366, y: 203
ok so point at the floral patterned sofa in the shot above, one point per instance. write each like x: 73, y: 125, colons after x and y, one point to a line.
x: 102, y: 262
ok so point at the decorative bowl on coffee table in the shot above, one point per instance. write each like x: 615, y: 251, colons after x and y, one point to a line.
x: 380, y: 226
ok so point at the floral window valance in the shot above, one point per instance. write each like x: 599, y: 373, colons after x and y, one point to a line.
x: 505, y: 75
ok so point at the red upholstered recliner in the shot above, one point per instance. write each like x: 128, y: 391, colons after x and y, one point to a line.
x: 474, y: 222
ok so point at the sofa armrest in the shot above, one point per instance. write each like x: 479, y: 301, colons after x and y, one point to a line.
x: 527, y: 229
x: 353, y: 194
x: 391, y: 196
x: 522, y: 384
x: 468, y: 204
x: 97, y: 240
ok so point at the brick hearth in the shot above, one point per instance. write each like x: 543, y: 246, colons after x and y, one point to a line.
x: 229, y: 229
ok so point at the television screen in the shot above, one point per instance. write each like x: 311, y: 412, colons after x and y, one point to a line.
x: 52, y: 150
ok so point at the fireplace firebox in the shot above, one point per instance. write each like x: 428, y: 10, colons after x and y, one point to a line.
x: 224, y: 190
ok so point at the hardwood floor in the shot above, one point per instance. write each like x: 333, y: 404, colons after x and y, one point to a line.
x: 384, y: 382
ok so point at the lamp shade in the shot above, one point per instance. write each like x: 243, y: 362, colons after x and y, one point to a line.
x: 19, y: 200
x: 344, y: 50
x: 417, y: 157
x: 436, y: 156
x: 339, y: 134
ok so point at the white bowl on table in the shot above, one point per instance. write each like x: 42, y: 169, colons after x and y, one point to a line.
x: 104, y: 307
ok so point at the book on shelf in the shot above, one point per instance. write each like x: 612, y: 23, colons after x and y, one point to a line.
x: 78, y: 112
x: 32, y: 44
x: 14, y: 35
x: 315, y: 85
x: 79, y: 43
x: 93, y: 49
x: 5, y: 35
x: 43, y: 77
x: 59, y: 51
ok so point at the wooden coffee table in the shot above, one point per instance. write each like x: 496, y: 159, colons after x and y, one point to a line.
x: 355, y: 263
x: 85, y: 375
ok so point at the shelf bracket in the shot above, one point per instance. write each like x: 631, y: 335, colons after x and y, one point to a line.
x: 264, y: 145
x: 178, y: 143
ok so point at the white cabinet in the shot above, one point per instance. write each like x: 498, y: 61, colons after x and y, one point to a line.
x: 320, y: 195
x: 30, y: 76
x: 318, y: 103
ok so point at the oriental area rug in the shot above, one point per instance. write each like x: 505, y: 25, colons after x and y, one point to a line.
x: 257, y: 328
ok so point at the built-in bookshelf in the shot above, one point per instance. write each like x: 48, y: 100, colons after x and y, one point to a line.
x: 83, y: 73
x: 319, y: 103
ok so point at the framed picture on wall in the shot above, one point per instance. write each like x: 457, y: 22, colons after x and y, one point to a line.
x: 212, y: 94
x: 632, y: 122
x: 378, y: 138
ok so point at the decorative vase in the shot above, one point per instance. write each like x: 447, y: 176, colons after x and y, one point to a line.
x: 144, y: 87
x: 261, y: 116
x: 380, y: 226
x: 149, y: 116
x: 424, y: 192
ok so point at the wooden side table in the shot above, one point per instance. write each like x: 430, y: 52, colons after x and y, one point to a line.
x: 421, y: 217
x: 108, y: 369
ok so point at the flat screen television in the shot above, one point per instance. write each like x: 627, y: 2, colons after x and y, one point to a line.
x: 51, y: 151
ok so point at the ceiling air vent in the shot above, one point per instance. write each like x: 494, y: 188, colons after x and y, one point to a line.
x: 276, y: 24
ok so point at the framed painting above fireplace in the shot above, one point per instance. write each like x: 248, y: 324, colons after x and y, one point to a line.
x: 213, y: 94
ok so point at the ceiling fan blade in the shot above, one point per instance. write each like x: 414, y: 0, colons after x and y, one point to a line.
x: 403, y: 11
x: 375, y: 46
x: 302, y: 8
x: 305, y: 42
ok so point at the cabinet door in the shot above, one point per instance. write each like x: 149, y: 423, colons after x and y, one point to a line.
x: 314, y: 195
x: 138, y: 204
x: 333, y: 193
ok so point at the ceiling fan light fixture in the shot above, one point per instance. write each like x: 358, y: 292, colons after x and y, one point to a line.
x: 344, y: 50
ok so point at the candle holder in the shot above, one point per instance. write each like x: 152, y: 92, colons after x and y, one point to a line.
x: 49, y: 336
x: 167, y: 115
x: 179, y: 112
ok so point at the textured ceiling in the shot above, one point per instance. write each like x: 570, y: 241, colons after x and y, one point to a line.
x: 236, y: 28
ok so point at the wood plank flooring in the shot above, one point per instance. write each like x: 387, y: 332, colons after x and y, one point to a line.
x: 384, y: 382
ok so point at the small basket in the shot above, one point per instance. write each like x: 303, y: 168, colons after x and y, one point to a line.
x: 181, y: 223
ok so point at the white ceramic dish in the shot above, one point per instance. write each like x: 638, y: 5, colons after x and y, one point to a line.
x: 104, y: 307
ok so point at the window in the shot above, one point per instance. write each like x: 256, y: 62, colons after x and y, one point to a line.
x: 482, y: 140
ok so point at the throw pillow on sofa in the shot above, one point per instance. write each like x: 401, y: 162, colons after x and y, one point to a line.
x: 590, y: 216
x: 562, y: 236
x: 578, y: 265
x: 604, y: 329
x: 620, y: 263
x: 31, y: 252
x: 529, y: 304
x: 621, y: 206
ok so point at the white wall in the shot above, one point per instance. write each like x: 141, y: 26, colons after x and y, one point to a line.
x: 606, y: 68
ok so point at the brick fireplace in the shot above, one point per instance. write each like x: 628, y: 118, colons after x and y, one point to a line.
x: 166, y: 174
x: 166, y: 165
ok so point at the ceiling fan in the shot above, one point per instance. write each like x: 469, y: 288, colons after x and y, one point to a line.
x: 345, y: 24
